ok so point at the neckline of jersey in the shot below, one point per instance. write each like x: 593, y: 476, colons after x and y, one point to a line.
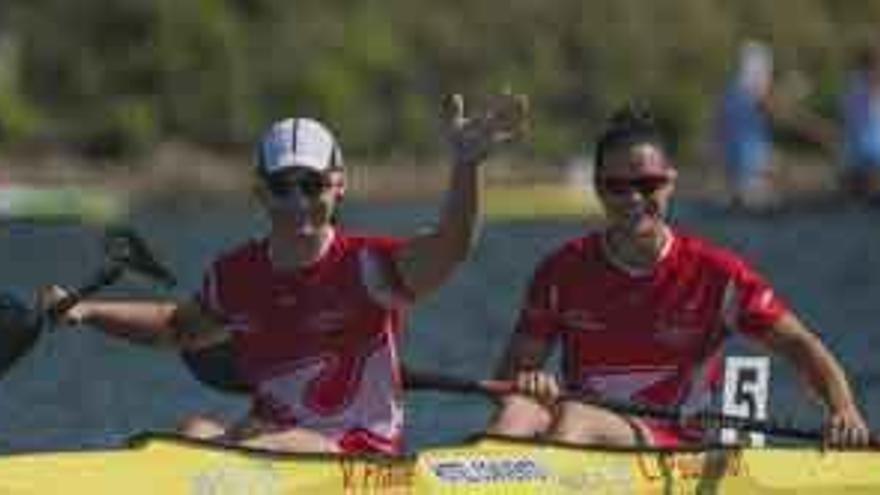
x: 635, y: 272
x: 278, y: 268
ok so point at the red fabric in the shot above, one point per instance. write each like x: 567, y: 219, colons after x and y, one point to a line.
x: 317, y: 347
x: 644, y: 336
x: 359, y: 441
x: 664, y: 434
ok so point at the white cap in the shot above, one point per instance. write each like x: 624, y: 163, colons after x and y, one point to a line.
x: 299, y: 142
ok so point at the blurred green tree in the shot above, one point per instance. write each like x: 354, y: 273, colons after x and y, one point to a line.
x: 117, y: 76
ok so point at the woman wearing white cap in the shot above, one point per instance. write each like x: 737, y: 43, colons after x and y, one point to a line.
x: 311, y: 312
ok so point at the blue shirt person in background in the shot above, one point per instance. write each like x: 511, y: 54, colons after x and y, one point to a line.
x: 861, y: 125
x: 744, y: 127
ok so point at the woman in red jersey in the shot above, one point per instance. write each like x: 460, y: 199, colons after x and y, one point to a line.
x: 312, y: 312
x: 640, y: 309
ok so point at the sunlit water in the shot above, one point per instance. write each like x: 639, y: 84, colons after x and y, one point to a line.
x: 79, y: 389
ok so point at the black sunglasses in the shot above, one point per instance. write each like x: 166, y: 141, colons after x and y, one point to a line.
x: 311, y: 185
x: 646, y: 185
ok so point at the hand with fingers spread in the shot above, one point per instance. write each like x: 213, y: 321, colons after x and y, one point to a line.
x: 473, y: 137
x: 846, y: 428
x: 537, y: 384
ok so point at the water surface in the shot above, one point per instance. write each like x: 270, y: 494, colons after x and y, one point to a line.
x: 80, y: 389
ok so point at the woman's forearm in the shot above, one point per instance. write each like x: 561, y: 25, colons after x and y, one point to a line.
x: 140, y: 322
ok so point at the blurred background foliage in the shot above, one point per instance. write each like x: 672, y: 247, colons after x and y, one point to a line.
x: 117, y: 77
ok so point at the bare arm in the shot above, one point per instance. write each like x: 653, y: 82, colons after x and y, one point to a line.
x: 790, y: 339
x: 824, y: 375
x: 182, y: 325
x: 428, y: 260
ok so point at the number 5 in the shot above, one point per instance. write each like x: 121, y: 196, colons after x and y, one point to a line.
x: 746, y: 390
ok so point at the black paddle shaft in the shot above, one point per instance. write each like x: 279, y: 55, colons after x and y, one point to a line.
x: 424, y: 380
x: 105, y: 277
x: 21, y: 326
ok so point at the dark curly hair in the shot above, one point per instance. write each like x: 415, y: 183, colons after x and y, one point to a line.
x: 632, y: 124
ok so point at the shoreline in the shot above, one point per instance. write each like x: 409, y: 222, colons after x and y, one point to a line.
x: 175, y: 171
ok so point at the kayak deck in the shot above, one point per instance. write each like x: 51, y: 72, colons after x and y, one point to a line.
x: 160, y: 464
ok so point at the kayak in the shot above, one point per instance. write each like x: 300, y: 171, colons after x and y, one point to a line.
x: 55, y: 204
x: 165, y: 464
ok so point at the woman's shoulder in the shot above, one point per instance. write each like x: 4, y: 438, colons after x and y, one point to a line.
x: 571, y: 252
x: 247, y: 251
x: 697, y: 248
x: 353, y: 240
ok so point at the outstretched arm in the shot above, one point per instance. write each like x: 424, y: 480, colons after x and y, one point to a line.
x: 824, y: 375
x: 182, y: 325
x: 429, y: 259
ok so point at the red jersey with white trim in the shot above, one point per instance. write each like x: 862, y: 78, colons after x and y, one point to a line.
x: 318, y: 344
x: 652, y: 337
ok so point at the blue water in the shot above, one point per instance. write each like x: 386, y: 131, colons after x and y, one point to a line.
x: 79, y: 389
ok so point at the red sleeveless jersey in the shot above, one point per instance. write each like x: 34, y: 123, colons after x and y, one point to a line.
x: 651, y: 337
x: 318, y: 344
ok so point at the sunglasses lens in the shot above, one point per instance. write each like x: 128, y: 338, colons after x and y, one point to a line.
x: 650, y: 185
x: 311, y: 185
x: 279, y: 189
x: 615, y: 186
x: 644, y: 185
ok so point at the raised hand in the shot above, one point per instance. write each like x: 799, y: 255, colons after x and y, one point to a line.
x: 473, y: 138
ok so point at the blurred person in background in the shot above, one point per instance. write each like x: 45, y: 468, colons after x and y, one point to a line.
x: 860, y: 175
x: 311, y: 312
x: 752, y: 105
x: 743, y: 127
x: 641, y: 310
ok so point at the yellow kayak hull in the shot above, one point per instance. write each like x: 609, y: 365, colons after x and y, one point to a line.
x: 487, y: 466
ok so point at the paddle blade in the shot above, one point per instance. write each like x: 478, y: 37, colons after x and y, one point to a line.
x: 19, y: 330
x: 124, y: 247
